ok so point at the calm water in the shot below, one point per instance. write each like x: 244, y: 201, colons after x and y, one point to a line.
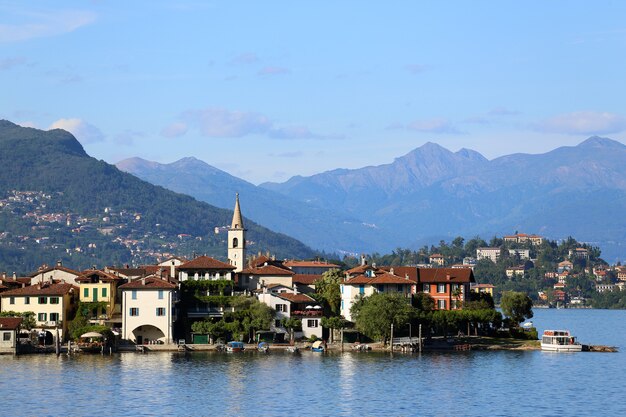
x: 454, y: 384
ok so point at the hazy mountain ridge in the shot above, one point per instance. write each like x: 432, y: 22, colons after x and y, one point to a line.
x: 55, y: 163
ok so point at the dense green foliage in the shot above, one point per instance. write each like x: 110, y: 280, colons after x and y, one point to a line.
x: 375, y: 314
x: 517, y: 306
x: 249, y: 316
x: 28, y: 318
x: 79, y: 186
x: 328, y: 291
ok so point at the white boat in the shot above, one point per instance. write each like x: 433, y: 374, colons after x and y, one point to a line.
x: 559, y: 341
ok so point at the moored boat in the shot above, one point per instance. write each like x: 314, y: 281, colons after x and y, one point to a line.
x: 559, y: 341
x: 293, y: 349
x: 318, y: 346
x: 263, y: 347
x: 91, y: 342
x: 234, y: 347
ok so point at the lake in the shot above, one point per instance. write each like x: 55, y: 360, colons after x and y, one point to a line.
x: 478, y: 383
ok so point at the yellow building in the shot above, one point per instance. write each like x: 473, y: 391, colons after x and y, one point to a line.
x: 483, y: 288
x: 100, y: 287
x: 53, y: 305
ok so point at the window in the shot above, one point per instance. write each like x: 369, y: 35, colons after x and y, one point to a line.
x: 312, y: 323
x: 341, y: 288
x: 26, y: 300
x: 235, y: 242
x: 134, y: 311
x: 104, y: 293
x: 441, y: 304
x: 160, y: 294
x: 362, y: 289
x: 441, y: 288
x: 6, y: 336
x: 54, y: 316
x: 381, y: 287
x: 86, y: 292
x: 426, y: 288
x: 454, y: 304
x: 160, y: 311
x: 43, y: 300
x: 277, y: 323
x: 282, y: 307
x: 134, y: 294
x: 454, y: 287
x: 54, y: 300
x: 41, y: 317
x: 11, y: 300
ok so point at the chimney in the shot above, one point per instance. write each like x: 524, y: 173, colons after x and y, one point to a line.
x: 59, y: 263
x: 295, y: 289
x: 14, y: 276
x: 447, y: 277
x: 406, y: 276
x: 391, y: 271
x: 374, y: 265
x: 143, y: 281
x: 4, y: 275
x: 363, y: 260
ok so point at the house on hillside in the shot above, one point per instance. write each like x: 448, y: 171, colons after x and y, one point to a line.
x: 513, y: 271
x: 482, y: 288
x: 493, y: 254
x: 436, y: 259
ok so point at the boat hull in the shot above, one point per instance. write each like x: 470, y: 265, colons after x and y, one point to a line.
x: 561, y: 348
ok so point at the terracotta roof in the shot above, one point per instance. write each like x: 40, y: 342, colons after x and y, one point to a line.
x: 129, y: 272
x: 305, y: 279
x: 148, y: 283
x: 309, y: 264
x: 360, y: 269
x: 10, y: 323
x: 39, y: 289
x: 381, y: 278
x: 296, y: 298
x: 54, y: 268
x: 427, y: 275
x: 267, y: 270
x: 403, y: 271
x: 102, y: 276
x: 205, y: 262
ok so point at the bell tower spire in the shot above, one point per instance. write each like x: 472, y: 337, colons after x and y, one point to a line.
x: 237, y: 239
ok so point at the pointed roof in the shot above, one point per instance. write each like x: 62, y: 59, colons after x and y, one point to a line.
x: 205, y: 262
x: 237, y: 218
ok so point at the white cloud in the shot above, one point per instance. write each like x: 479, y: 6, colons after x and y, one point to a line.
x: 583, y: 123
x: 174, y: 130
x: 38, y: 24
x: 216, y: 122
x: 83, y: 131
x: 221, y: 123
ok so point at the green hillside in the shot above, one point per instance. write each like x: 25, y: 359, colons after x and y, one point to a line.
x: 54, y: 198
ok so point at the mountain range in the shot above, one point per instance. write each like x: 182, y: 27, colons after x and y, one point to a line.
x: 59, y: 203
x: 429, y: 194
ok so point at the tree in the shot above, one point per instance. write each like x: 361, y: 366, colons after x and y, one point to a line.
x: 328, y: 289
x: 28, y: 318
x: 517, y: 306
x: 376, y: 313
x: 292, y: 324
x: 333, y: 323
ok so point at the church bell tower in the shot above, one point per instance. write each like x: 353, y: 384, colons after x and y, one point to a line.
x: 237, y: 239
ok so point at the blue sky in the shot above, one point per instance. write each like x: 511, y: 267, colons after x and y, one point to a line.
x: 268, y: 90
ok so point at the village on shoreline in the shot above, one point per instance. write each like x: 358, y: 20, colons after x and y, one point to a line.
x: 199, y: 304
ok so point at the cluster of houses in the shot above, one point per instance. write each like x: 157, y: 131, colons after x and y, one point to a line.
x: 141, y: 304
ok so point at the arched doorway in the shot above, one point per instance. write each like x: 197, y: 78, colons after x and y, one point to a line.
x: 148, y: 334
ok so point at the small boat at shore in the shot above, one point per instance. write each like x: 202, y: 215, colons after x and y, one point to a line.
x: 232, y: 347
x: 559, y: 341
x: 91, y: 342
x: 293, y: 349
x: 318, y: 346
x: 263, y: 347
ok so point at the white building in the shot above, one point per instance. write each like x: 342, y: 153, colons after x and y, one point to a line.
x: 55, y: 273
x: 289, y: 303
x: 492, y: 254
x: 148, y: 310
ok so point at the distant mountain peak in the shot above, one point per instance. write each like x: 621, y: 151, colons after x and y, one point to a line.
x: 600, y: 142
x: 471, y: 154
